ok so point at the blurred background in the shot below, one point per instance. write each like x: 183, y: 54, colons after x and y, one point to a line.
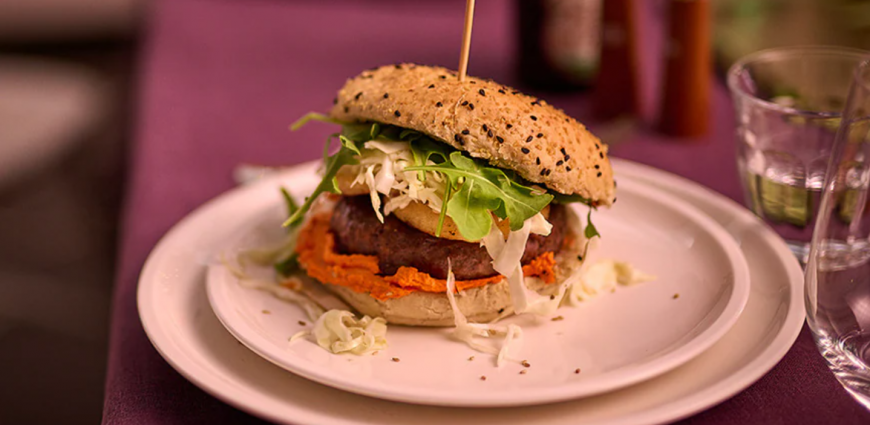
x: 67, y: 111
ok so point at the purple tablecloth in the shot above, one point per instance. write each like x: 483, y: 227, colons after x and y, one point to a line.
x: 221, y: 80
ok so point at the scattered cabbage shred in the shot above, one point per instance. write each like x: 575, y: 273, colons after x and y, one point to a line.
x: 339, y: 331
x: 466, y: 332
x: 602, y: 277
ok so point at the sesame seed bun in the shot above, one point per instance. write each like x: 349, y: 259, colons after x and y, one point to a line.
x: 486, y: 119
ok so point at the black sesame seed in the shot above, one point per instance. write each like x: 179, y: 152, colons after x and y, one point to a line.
x: 443, y: 77
x: 566, y: 120
x: 500, y: 140
x: 536, y: 102
x: 465, y: 131
x: 563, y: 151
x: 539, y: 135
x: 386, y: 95
x: 501, y: 310
x: 489, y: 133
x: 549, y: 171
x: 597, y: 166
x: 538, y: 161
x: 472, y: 82
x: 567, y: 168
x: 357, y: 96
x: 465, y: 103
x: 501, y: 91
x: 438, y: 104
x: 471, y: 106
x: 397, y: 113
x: 599, y: 174
x: 525, y: 151
x: 597, y: 147
x: 529, y: 139
x: 601, y: 154
x: 567, y: 157
x: 509, y: 126
x: 614, y: 200
x: 485, y: 128
x: 482, y: 93
x: 456, y: 137
x: 431, y: 86
x: 334, y: 100
x: 543, y: 171
x: 559, y: 163
x: 346, y: 109
x: 398, y: 66
x: 534, y: 118
x: 515, y: 92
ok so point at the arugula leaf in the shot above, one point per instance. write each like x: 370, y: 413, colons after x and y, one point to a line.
x: 289, y: 202
x: 315, y: 117
x: 288, y: 266
x: 482, y: 189
x: 443, y: 212
x: 567, y: 199
x: 346, y: 155
x: 590, y: 231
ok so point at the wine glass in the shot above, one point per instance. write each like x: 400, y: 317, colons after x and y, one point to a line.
x: 838, y: 270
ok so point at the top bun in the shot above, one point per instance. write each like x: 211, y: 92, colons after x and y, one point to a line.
x: 486, y: 119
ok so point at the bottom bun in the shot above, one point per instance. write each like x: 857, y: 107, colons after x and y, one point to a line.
x: 481, y: 304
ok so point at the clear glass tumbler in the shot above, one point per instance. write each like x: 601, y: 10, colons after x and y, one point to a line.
x: 838, y: 271
x: 788, y: 104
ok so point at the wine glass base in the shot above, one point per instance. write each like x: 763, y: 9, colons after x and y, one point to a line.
x: 849, y: 358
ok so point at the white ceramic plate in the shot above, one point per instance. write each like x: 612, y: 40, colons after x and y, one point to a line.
x: 179, y: 321
x: 616, y: 339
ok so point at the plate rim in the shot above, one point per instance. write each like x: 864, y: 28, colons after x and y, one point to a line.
x: 772, y: 349
x: 732, y: 259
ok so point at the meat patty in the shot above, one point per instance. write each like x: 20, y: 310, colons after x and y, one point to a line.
x: 358, y: 231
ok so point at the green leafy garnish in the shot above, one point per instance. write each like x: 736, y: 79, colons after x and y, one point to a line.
x: 346, y: 155
x: 590, y: 231
x: 316, y: 117
x: 475, y: 190
x: 288, y: 266
x: 481, y: 190
x: 289, y: 202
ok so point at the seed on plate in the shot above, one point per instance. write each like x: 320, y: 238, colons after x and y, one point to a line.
x: 482, y: 378
x: 676, y: 296
x: 523, y: 372
x: 471, y: 358
x: 525, y: 363
x: 375, y: 353
x: 301, y: 323
x: 396, y: 359
x: 557, y: 318
x: 267, y: 312
x: 577, y: 371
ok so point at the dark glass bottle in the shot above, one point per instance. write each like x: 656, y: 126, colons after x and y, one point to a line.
x: 559, y: 43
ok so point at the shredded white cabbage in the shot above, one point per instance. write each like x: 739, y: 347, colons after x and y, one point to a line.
x: 602, y: 277
x: 339, y: 331
x: 466, y: 332
x: 312, y: 309
x: 288, y: 291
x: 506, y: 260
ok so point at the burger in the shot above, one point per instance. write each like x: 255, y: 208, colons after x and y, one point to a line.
x: 444, y: 183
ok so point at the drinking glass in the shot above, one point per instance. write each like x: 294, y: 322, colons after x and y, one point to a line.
x: 838, y: 270
x: 788, y: 103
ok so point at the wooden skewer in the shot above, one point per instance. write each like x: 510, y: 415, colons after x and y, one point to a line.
x: 466, y: 39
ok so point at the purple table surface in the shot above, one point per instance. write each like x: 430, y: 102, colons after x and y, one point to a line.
x: 220, y: 82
